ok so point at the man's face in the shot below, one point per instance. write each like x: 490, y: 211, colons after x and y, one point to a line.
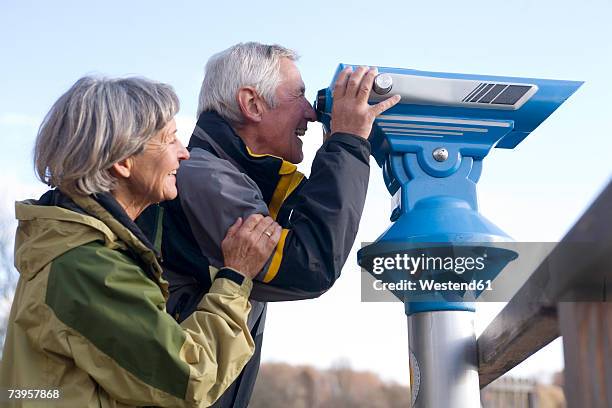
x: 283, y: 125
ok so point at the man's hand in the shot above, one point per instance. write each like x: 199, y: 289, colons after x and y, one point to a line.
x: 248, y: 245
x: 351, y: 112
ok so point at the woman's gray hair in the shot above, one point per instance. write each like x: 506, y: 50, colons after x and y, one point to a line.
x: 245, y: 64
x: 97, y: 123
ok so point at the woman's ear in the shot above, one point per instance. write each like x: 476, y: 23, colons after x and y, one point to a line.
x: 251, y: 104
x: 123, y: 168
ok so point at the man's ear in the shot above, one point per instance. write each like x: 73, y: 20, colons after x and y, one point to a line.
x: 122, y: 169
x: 251, y: 104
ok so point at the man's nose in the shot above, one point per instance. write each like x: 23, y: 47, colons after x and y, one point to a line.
x: 310, y: 113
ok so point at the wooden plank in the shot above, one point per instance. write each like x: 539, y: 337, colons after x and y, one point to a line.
x: 514, y: 335
x: 529, y: 320
x: 587, y: 344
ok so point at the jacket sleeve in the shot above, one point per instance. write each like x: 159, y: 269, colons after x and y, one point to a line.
x: 318, y: 232
x: 119, y: 333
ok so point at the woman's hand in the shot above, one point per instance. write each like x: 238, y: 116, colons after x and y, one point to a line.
x: 248, y: 245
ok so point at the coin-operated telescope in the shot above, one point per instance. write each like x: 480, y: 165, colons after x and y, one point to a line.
x: 430, y: 147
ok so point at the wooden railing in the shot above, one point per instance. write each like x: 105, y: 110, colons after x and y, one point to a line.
x: 538, y: 313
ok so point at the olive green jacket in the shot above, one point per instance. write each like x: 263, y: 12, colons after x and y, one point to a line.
x: 89, y: 318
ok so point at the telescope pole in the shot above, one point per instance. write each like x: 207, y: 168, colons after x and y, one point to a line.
x: 443, y: 359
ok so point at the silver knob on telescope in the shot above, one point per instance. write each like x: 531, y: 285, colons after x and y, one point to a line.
x: 440, y: 154
x: 382, y: 84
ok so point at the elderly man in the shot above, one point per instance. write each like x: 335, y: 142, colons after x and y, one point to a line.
x: 251, y: 115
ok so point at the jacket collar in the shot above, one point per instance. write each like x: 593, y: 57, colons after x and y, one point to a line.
x: 105, y: 208
x: 214, y: 134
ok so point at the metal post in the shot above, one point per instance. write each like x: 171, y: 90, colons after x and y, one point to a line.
x: 443, y: 360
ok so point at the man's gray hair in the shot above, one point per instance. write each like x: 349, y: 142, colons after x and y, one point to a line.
x: 245, y: 64
x: 97, y: 123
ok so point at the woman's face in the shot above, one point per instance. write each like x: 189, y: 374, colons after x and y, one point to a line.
x: 153, y: 175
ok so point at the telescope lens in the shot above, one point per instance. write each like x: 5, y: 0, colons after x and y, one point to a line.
x: 319, y: 105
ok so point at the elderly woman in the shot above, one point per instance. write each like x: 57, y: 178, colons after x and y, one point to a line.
x: 88, y: 324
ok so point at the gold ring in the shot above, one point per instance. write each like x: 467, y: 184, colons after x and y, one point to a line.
x: 268, y: 233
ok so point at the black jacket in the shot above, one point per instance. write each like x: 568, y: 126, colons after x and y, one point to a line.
x: 222, y: 181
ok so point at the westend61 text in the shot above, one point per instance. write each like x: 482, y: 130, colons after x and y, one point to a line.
x: 413, y: 264
x: 432, y: 285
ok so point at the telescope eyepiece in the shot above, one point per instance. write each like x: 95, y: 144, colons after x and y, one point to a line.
x: 319, y: 104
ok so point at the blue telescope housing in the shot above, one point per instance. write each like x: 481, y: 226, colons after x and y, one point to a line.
x: 430, y: 147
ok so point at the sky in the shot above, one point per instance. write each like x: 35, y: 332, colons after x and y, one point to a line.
x: 534, y: 192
